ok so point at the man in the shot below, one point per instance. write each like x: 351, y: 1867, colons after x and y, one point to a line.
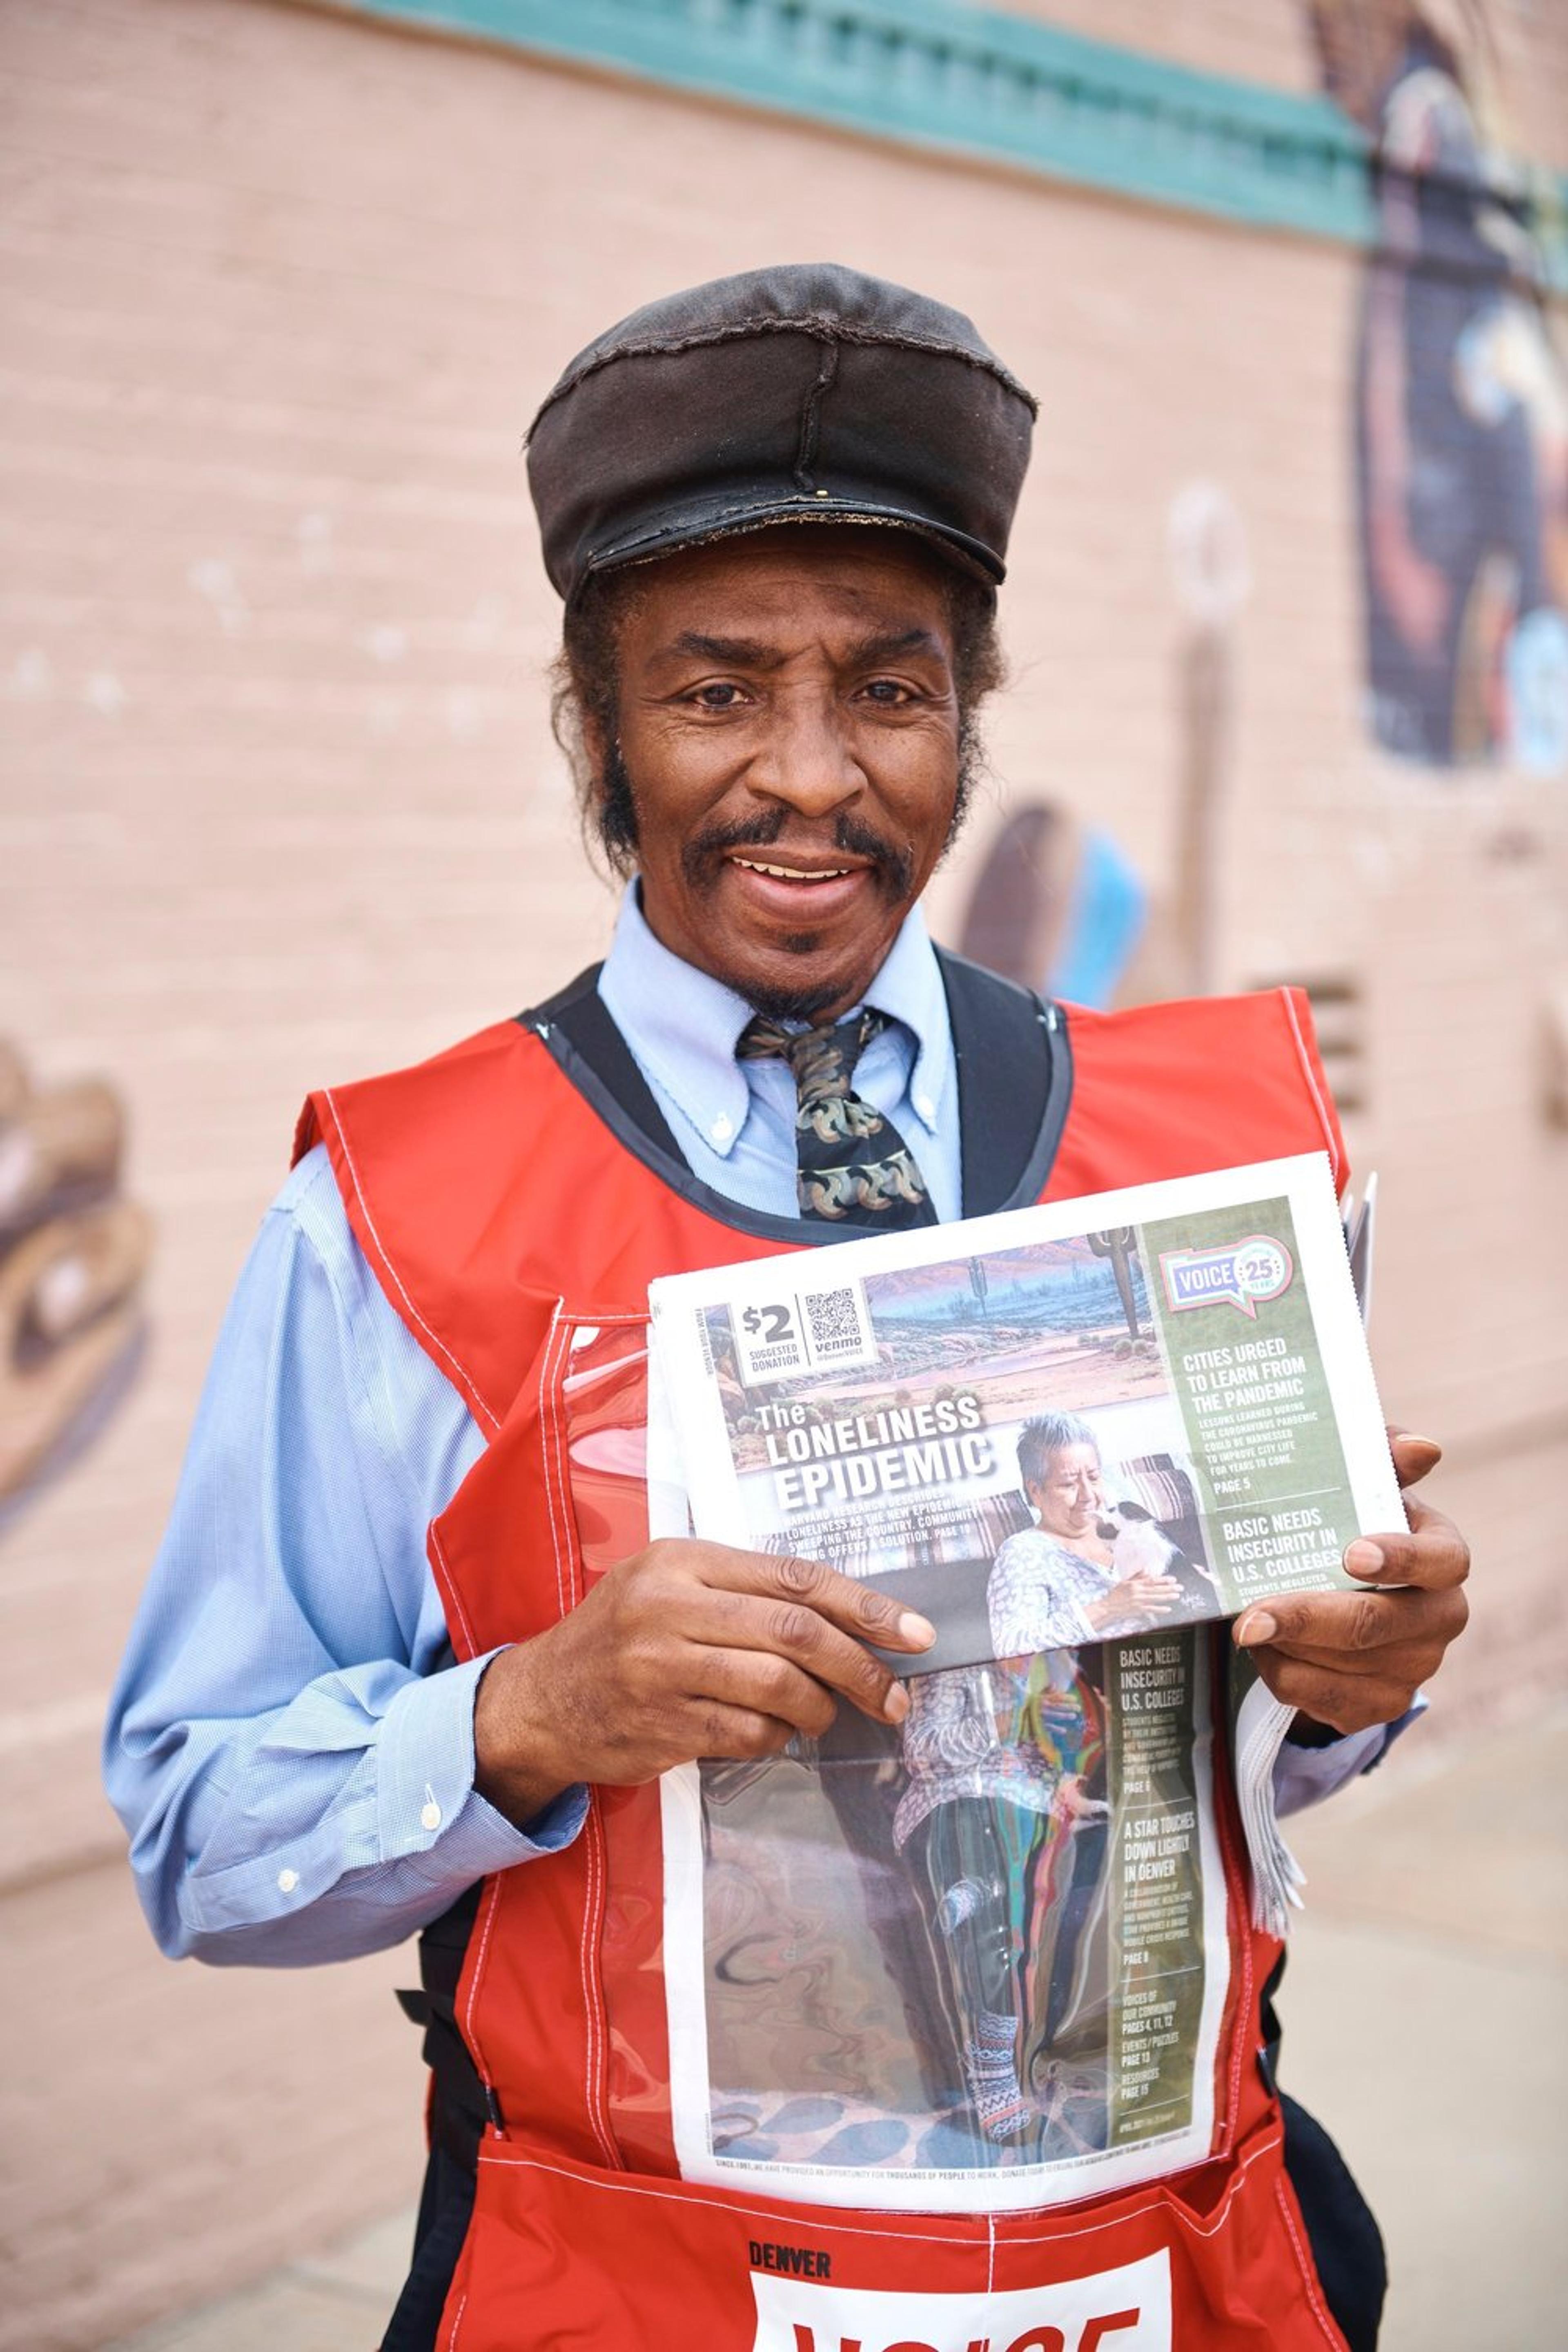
x: 408, y: 1659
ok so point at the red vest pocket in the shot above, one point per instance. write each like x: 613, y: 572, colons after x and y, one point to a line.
x: 565, y: 2258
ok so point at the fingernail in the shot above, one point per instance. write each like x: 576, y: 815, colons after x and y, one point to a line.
x: 1408, y: 1437
x: 898, y: 1704
x: 917, y: 1631
x: 1256, y: 1629
x: 1364, y: 1558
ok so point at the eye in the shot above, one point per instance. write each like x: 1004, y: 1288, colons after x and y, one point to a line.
x: 719, y: 694
x: 887, y: 692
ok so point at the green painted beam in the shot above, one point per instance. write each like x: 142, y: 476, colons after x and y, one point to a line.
x: 973, y: 81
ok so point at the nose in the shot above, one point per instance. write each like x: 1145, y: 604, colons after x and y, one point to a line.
x: 807, y: 758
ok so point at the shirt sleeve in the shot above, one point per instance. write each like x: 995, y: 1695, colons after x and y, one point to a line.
x: 290, y: 1745
x: 1305, y: 1776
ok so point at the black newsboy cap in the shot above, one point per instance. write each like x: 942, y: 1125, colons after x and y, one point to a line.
x: 803, y: 393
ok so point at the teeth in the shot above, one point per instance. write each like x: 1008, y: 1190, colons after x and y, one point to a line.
x: 791, y: 873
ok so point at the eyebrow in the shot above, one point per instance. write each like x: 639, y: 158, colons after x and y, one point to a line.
x: 869, y: 651
x: 753, y: 653
x: 729, y: 653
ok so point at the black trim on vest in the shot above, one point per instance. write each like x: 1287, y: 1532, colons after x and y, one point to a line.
x: 1015, y: 1088
x: 1014, y: 1084
x: 460, y: 2106
x: 579, y: 1015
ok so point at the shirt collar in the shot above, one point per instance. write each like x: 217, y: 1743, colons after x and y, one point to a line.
x: 908, y: 989
x: 683, y: 1025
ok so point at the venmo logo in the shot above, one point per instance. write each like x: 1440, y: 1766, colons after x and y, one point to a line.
x: 1126, y: 2310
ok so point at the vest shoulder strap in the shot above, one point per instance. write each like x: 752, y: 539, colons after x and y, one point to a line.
x: 580, y: 1013
x: 1180, y: 1089
x: 1015, y: 1075
x: 1015, y: 1084
x: 532, y: 1158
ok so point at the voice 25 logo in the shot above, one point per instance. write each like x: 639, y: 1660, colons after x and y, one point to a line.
x: 1125, y: 2310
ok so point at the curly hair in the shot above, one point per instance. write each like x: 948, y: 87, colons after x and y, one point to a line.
x: 585, y: 693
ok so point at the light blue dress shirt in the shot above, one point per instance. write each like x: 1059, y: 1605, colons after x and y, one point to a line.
x: 734, y: 1121
x: 291, y: 1744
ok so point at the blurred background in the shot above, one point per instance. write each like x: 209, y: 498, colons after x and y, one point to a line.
x: 284, y: 284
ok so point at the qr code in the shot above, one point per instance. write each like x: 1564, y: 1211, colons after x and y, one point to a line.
x: 835, y: 1322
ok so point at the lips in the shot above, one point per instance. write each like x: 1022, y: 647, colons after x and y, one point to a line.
x: 776, y: 870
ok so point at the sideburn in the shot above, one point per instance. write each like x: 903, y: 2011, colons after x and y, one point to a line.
x: 618, y: 809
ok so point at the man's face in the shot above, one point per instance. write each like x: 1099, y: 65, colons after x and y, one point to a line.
x: 1070, y: 1496
x: 789, y: 727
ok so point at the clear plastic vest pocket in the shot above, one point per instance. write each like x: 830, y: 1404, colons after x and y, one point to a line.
x: 976, y: 1964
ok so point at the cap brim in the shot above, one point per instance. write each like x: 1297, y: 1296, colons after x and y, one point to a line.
x: 701, y: 526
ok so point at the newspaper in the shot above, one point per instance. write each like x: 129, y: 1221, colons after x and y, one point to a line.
x: 1258, y: 1721
x: 978, y: 1962
x: 1062, y: 1425
x: 827, y: 2040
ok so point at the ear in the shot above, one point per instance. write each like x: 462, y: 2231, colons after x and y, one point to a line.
x: 1135, y: 1511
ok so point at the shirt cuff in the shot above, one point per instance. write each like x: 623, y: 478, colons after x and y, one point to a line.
x: 425, y: 1799
x: 1305, y: 1776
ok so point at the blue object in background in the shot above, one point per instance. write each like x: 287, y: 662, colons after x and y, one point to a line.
x: 1537, y: 666
x: 1105, y: 918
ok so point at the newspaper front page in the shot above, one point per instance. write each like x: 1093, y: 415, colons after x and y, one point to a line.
x: 1191, y: 1352
x: 978, y: 1962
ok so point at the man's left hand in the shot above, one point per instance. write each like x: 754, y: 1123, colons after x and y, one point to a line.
x: 1353, y: 1659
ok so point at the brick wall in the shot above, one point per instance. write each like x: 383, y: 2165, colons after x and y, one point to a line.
x: 280, y: 293
x: 1524, y: 44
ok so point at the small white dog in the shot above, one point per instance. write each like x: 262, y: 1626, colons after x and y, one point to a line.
x: 1140, y: 1546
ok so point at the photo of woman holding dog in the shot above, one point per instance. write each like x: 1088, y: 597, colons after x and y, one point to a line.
x: 1086, y: 1569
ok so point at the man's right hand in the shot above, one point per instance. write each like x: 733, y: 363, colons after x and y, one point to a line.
x: 686, y: 1649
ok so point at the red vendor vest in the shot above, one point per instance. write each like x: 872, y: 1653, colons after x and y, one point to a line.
x: 514, y: 1219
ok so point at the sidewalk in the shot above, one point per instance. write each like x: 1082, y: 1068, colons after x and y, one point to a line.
x: 336, y: 2302
x: 1423, y: 2020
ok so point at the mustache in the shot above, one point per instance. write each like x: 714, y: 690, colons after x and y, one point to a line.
x: 851, y: 835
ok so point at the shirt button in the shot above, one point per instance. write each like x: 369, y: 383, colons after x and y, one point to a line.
x: 723, y: 1128
x: 288, y: 1880
x: 430, y: 1818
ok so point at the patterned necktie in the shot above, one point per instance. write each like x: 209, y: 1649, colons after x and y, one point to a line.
x: 853, y: 1167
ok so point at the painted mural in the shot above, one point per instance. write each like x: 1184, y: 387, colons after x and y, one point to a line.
x: 73, y: 1252
x: 1460, y: 400
x: 1060, y: 906
x: 1056, y: 906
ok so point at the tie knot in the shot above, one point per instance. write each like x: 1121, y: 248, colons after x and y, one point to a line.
x: 823, y: 1060
x: 852, y: 1165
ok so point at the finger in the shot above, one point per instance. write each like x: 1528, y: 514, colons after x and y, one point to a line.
x: 761, y: 1683
x: 1404, y: 1662
x: 735, y: 1734
x: 1348, y: 1703
x: 1341, y: 1624
x: 788, y: 1630
x: 860, y: 1610
x: 1413, y: 1457
x: 1433, y: 1553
